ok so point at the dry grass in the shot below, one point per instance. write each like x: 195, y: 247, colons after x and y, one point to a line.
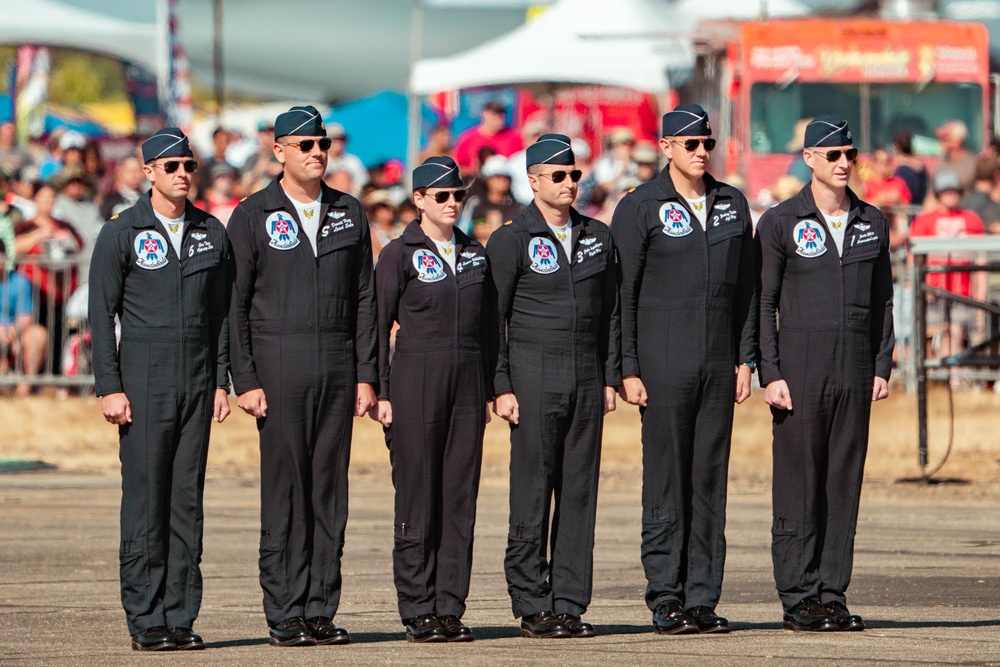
x: 72, y: 435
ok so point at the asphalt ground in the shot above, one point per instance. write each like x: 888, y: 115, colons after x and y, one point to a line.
x: 926, y: 579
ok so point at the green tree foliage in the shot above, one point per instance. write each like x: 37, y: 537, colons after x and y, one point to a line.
x: 78, y: 78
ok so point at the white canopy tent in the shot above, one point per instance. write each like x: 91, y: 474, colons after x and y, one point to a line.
x: 628, y: 43
x: 51, y: 23
x: 689, y: 12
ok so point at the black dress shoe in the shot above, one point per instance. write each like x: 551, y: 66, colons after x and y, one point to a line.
x: 846, y: 621
x: 186, y: 639
x: 577, y: 627
x: 291, y: 632
x: 454, y: 629
x: 810, y: 616
x: 708, y: 621
x: 154, y: 639
x: 325, y: 632
x: 424, y: 628
x: 670, y: 619
x: 544, y: 625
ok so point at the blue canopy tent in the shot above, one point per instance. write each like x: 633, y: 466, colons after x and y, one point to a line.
x: 377, y: 126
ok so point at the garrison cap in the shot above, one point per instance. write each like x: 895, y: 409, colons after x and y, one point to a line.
x: 303, y: 121
x: 550, y: 149
x: 437, y: 172
x: 687, y: 120
x: 828, y: 130
x: 168, y: 142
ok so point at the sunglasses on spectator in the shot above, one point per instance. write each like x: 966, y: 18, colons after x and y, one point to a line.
x: 691, y: 145
x: 834, y: 156
x: 444, y: 195
x: 306, y: 145
x: 170, y: 166
x: 560, y: 176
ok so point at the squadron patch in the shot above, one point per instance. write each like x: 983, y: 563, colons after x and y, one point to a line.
x: 810, y: 239
x: 283, y: 231
x: 429, y: 266
x: 676, y: 220
x: 150, y: 250
x: 543, y: 255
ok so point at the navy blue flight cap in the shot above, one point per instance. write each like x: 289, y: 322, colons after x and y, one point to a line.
x: 302, y: 121
x: 828, y: 130
x: 550, y: 149
x: 168, y: 142
x: 437, y: 172
x: 687, y: 120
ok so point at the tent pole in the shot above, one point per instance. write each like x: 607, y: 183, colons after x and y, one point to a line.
x: 414, y: 116
x: 217, y: 63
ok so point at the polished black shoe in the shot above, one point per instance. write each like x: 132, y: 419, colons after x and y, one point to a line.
x: 810, y: 616
x: 708, y: 621
x: 424, y: 628
x: 454, y: 629
x: 154, y: 639
x: 292, y: 632
x: 578, y: 628
x: 544, y: 625
x: 670, y: 619
x: 846, y: 621
x: 325, y: 632
x: 186, y: 639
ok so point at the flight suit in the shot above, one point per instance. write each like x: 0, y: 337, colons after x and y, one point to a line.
x: 302, y: 329
x: 173, y: 355
x: 835, y: 336
x: 441, y: 374
x: 558, y: 349
x: 689, y: 317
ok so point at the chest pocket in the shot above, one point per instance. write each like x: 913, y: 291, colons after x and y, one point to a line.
x: 335, y: 241
x: 201, y: 261
x: 725, y: 246
x: 858, y: 270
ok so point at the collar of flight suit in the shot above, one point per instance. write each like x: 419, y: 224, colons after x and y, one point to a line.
x: 414, y: 235
x: 145, y: 217
x: 275, y: 198
x: 663, y: 188
x: 805, y: 206
x: 535, y: 222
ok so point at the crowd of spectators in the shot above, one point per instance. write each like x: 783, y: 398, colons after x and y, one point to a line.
x: 56, y: 193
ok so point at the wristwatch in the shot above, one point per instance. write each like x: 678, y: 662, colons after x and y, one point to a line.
x: 752, y: 365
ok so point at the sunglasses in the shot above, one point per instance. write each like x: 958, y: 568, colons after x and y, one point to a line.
x: 691, y: 145
x: 560, y: 176
x: 306, y: 145
x: 444, y: 195
x: 834, y: 156
x: 190, y: 166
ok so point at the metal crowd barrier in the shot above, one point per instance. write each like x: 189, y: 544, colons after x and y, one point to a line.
x: 58, y: 294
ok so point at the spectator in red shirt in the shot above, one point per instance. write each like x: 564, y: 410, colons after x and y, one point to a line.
x: 492, y: 131
x: 949, y: 220
x: 883, y: 189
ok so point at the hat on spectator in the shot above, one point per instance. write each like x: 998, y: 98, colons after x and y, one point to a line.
x: 954, y: 129
x: 495, y: 165
x: 72, y: 139
x: 550, y: 149
x: 379, y: 198
x: 336, y: 131
x: 827, y: 130
x: 437, y: 172
x: 74, y: 172
x: 221, y: 170
x: 265, y: 126
x: 687, y: 120
x: 621, y: 135
x: 946, y: 180
x: 644, y: 153
x: 303, y: 121
x: 168, y: 142
x: 581, y: 149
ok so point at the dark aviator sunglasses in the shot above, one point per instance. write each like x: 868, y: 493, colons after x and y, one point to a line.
x: 691, y: 145
x: 190, y: 166
x: 443, y: 196
x: 834, y: 156
x: 560, y: 176
x: 306, y: 145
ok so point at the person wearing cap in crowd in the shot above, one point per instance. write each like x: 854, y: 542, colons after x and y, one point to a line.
x: 163, y: 268
x: 220, y: 198
x: 826, y: 275
x: 558, y: 368
x: 434, y: 281
x: 492, y: 132
x: 984, y: 198
x: 221, y: 139
x: 647, y: 161
x: 127, y: 189
x: 520, y: 186
x: 341, y: 160
x: 66, y: 150
x: 495, y: 203
x: 75, y: 205
x: 303, y: 350
x: 949, y: 219
x: 617, y: 160
x: 689, y: 346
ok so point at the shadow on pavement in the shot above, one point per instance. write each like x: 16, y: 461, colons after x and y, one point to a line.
x: 984, y: 623
x: 256, y: 641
